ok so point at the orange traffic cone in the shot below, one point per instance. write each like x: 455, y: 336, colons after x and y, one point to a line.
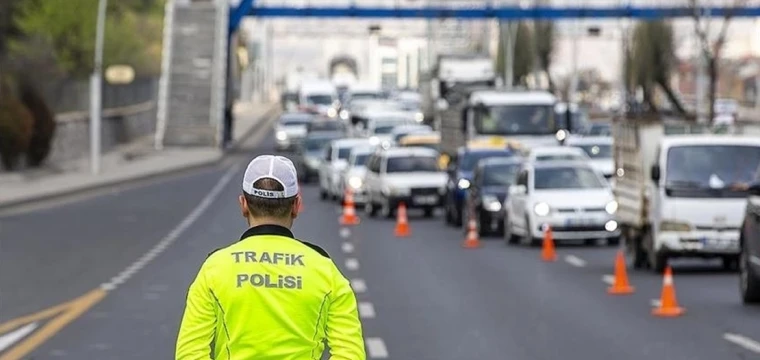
x: 547, y: 251
x: 668, y: 303
x: 402, y: 223
x: 472, y: 240
x: 621, y: 285
x: 349, y: 211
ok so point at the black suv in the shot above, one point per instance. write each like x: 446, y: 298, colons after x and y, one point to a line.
x: 749, y: 264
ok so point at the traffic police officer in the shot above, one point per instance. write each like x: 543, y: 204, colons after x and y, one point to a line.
x: 269, y: 295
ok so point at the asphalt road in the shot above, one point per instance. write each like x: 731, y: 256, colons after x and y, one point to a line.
x: 421, y: 297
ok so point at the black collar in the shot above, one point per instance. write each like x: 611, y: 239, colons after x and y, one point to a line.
x: 268, y: 230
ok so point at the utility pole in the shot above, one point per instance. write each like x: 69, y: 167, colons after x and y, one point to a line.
x: 96, y: 80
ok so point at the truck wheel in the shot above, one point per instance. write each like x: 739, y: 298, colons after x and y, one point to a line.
x: 749, y: 283
x: 730, y: 263
x: 657, y: 261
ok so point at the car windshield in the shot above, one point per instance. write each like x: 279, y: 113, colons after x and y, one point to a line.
x: 700, y: 171
x: 559, y: 178
x: 344, y: 153
x: 320, y: 99
x: 578, y: 121
x: 325, y: 126
x: 314, y: 144
x: 360, y: 159
x: 368, y: 95
x: 412, y: 164
x: 597, y: 151
x: 470, y: 159
x: 500, y: 175
x: 599, y: 130
x: 517, y: 120
x: 384, y: 128
x: 549, y: 157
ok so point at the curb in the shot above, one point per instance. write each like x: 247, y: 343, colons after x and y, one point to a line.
x: 77, y: 190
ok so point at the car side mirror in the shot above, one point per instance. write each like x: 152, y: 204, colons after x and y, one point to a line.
x: 517, y: 190
x: 754, y: 189
x: 655, y: 173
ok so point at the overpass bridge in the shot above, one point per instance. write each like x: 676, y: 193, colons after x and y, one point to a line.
x: 195, y: 96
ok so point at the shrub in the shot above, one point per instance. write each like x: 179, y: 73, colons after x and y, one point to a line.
x: 43, y: 127
x: 15, y: 128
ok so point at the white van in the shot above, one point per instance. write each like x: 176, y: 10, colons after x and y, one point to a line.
x: 320, y: 97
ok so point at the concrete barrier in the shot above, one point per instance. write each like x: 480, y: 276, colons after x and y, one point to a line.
x: 120, y: 125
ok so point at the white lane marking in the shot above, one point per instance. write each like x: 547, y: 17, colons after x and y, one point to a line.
x: 743, y: 341
x: 376, y: 348
x: 366, y: 310
x: 575, y: 261
x: 352, y: 264
x: 345, y: 233
x: 132, y: 269
x: 608, y: 279
x: 359, y: 285
x: 12, y: 337
x: 655, y: 302
x: 347, y: 247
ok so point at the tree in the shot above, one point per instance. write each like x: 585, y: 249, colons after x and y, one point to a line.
x: 653, y: 51
x: 524, y: 53
x: 69, y: 32
x: 8, y: 30
x: 544, y: 37
x: 710, y: 49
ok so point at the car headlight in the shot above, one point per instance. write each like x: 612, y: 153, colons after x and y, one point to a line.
x: 331, y: 112
x: 281, y: 135
x: 374, y: 141
x: 419, y: 117
x: 611, y: 207
x: 355, y: 182
x: 344, y: 114
x: 674, y: 226
x: 491, y: 203
x: 541, y: 209
x: 463, y: 184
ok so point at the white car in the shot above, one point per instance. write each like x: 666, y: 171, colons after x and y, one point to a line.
x: 353, y: 176
x: 549, y: 153
x: 408, y: 175
x: 334, y: 162
x: 599, y: 149
x: 569, y: 196
x: 380, y: 125
x: 291, y: 129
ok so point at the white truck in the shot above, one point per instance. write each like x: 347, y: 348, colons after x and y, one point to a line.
x: 454, y: 71
x: 524, y: 117
x: 681, y: 190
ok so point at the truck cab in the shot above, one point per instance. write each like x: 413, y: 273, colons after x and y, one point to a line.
x: 682, y: 194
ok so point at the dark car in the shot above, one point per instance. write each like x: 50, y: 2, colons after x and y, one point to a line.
x: 460, y: 175
x: 598, y: 129
x: 485, y: 198
x: 321, y: 124
x: 309, y: 153
x: 749, y: 260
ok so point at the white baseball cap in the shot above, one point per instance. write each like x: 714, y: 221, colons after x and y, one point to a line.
x: 277, y: 168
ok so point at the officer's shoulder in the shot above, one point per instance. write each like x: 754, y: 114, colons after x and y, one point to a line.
x: 316, y: 248
x: 217, y: 250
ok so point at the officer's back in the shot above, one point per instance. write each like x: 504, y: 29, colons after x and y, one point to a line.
x: 269, y: 295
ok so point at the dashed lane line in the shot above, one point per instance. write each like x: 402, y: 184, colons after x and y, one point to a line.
x: 608, y: 279
x: 655, y: 302
x: 347, y: 247
x: 743, y: 341
x: 352, y: 264
x: 173, y: 235
x: 366, y: 310
x: 376, y: 348
x: 359, y: 285
x: 575, y: 261
x: 345, y: 233
x: 11, y: 338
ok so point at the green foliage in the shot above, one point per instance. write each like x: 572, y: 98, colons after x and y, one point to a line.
x: 524, y: 54
x: 545, y: 47
x: 67, y: 27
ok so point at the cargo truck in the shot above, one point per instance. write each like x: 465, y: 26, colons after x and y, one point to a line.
x: 681, y: 189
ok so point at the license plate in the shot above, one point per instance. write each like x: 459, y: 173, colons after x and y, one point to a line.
x: 425, y: 200
x: 579, y: 221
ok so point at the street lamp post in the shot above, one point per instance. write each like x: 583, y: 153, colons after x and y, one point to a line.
x: 96, y: 80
